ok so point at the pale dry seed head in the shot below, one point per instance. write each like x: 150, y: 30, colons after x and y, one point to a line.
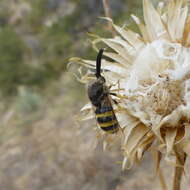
x: 153, y: 70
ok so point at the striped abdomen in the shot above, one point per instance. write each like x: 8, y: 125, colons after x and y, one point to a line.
x: 106, y: 119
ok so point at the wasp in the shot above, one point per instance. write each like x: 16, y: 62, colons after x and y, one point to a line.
x: 100, y: 97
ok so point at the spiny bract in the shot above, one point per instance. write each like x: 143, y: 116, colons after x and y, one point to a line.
x: 153, y: 70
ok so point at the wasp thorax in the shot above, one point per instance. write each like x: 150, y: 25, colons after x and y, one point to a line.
x: 96, y: 91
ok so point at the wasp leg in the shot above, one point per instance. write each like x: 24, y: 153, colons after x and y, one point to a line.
x: 117, y: 83
x: 116, y: 90
x: 115, y: 101
x: 113, y: 94
x: 109, y: 87
x: 117, y: 95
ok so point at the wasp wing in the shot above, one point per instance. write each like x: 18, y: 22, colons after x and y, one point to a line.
x: 106, y: 117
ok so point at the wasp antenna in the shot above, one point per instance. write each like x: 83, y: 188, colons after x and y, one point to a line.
x: 98, y: 63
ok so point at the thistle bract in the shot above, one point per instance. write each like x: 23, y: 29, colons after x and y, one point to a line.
x: 151, y: 73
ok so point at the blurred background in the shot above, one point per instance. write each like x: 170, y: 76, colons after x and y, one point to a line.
x: 42, y: 145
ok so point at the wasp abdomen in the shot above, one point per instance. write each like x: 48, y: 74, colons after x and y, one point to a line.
x: 107, y: 119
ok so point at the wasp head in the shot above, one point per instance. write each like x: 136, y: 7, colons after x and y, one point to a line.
x: 96, y: 89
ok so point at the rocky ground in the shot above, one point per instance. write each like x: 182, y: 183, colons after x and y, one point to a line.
x: 41, y: 145
x: 53, y: 152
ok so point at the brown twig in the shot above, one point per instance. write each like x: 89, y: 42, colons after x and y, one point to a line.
x: 157, y: 158
x: 179, y: 169
x: 108, y: 14
x: 162, y: 180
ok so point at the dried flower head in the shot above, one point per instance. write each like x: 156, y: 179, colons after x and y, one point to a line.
x: 151, y: 73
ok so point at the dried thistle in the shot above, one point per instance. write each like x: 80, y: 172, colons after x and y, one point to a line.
x: 151, y: 73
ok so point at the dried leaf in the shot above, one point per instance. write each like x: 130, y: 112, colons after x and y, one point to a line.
x: 155, y: 31
x: 116, y: 46
x: 176, y: 14
x: 145, y: 144
x: 134, y: 138
x: 170, y: 140
x: 142, y: 28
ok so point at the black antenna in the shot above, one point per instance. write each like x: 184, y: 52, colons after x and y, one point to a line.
x: 98, y: 63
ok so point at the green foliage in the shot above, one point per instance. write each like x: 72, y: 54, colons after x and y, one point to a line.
x: 64, y: 38
x: 11, y: 59
x: 14, y: 70
x: 28, y: 101
x: 37, y: 15
x: 57, y: 44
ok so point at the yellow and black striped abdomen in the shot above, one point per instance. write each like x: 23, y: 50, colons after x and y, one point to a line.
x: 106, y: 119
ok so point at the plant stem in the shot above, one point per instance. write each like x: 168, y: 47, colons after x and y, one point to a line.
x: 179, y: 169
x: 108, y: 14
x: 162, y: 180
